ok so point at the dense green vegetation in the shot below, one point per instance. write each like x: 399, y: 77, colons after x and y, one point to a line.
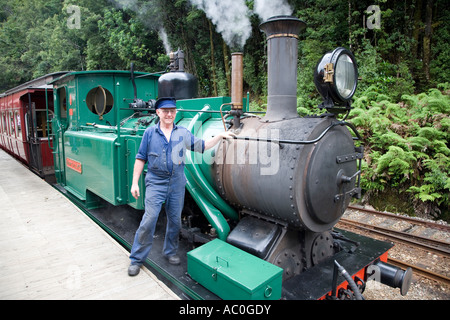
x: 401, y: 106
x: 407, y: 157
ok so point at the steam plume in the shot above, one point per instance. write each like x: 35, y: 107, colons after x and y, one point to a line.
x: 231, y: 19
x: 269, y: 8
x: 163, y: 36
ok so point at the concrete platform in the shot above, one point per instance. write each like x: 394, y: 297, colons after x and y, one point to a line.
x: 49, y: 249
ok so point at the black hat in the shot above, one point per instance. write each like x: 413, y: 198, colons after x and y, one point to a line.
x: 165, y: 103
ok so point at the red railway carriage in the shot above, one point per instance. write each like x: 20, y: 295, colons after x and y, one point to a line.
x: 24, y: 123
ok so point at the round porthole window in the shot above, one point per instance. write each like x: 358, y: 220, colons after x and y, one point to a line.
x: 100, y: 101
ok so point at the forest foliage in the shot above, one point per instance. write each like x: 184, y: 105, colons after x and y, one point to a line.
x: 401, y: 106
x: 407, y: 155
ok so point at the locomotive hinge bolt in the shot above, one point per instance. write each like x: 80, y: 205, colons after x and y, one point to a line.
x: 346, y: 179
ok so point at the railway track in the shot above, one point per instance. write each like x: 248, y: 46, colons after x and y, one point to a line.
x: 427, y: 236
x: 438, y: 246
x: 430, y: 224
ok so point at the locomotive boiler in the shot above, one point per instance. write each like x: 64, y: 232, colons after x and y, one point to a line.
x: 260, y: 209
x: 291, y: 177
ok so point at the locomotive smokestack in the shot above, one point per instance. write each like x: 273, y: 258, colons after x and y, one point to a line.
x: 282, y: 39
x: 237, y: 79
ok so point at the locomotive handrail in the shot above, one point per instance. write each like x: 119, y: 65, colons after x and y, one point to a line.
x: 221, y: 114
x: 351, y: 126
x: 301, y: 141
x: 118, y: 145
x: 46, y: 113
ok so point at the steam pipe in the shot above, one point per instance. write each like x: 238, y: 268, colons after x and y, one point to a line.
x: 212, y: 214
x: 237, y: 84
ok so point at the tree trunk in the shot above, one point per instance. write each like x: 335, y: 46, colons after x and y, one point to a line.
x: 349, y: 24
x: 213, y: 64
x: 417, y: 27
x: 427, y: 40
x: 226, y: 62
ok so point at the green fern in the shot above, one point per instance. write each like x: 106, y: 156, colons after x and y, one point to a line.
x: 430, y: 133
x: 406, y: 143
x: 392, y: 138
x: 425, y: 193
x: 410, y: 100
x: 396, y: 162
x: 419, y: 143
x: 445, y: 125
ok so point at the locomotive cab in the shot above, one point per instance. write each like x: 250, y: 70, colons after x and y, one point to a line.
x: 90, y: 108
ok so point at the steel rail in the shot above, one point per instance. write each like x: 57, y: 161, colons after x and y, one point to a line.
x: 400, y: 236
x: 430, y: 224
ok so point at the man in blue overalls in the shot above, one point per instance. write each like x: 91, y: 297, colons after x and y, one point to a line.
x: 164, y: 147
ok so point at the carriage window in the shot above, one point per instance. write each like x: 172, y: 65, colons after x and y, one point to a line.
x: 2, y: 123
x: 5, y: 123
x: 26, y: 124
x: 100, y: 101
x: 18, y: 124
x: 62, y: 103
x: 12, y: 125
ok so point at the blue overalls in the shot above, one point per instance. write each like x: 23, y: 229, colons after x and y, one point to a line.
x: 165, y: 183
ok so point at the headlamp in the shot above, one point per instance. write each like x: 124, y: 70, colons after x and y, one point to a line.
x: 336, y: 78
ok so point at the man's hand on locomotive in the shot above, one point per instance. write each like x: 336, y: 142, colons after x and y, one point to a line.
x: 214, y: 140
x: 135, y: 192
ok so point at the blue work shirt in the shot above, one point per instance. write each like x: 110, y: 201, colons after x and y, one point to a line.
x: 166, y: 158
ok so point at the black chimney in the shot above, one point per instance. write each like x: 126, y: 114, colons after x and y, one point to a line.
x: 282, y: 51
